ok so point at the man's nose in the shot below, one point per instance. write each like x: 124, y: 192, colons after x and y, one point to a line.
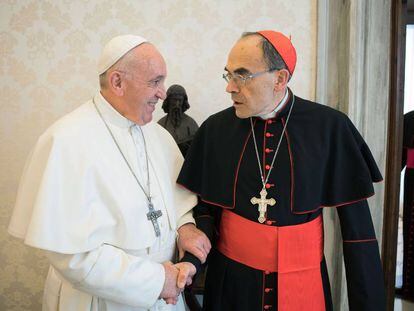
x: 161, y: 93
x: 232, y: 87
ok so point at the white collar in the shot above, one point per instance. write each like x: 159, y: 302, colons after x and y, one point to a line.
x: 110, y: 114
x: 273, y: 113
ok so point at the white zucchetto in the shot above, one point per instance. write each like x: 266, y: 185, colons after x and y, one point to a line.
x: 116, y: 48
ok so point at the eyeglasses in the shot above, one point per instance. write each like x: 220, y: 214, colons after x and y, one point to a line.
x: 239, y: 79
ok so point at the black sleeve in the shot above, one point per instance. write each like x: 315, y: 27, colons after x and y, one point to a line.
x: 364, y: 275
x: 204, y: 215
x: 408, y: 136
x: 404, y: 158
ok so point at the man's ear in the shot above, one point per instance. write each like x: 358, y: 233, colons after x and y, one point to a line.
x: 282, y: 79
x: 116, y: 83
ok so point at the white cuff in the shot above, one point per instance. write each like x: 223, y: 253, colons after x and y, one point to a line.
x: 186, y: 218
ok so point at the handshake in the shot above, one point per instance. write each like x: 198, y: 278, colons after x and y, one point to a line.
x: 179, y: 275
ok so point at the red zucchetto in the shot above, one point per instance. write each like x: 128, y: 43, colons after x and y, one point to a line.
x: 283, y: 46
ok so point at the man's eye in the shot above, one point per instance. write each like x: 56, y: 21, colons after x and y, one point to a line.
x: 155, y: 83
x: 239, y: 77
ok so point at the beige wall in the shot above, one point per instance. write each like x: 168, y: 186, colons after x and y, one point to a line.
x: 47, y: 66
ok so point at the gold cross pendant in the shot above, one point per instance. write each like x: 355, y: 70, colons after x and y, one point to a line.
x: 262, y: 202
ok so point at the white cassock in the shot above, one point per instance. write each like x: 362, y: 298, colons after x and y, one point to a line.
x: 78, y: 200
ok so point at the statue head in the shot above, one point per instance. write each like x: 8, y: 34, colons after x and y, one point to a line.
x: 176, y: 99
x: 175, y: 104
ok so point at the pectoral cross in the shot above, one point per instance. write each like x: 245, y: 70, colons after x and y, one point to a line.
x: 262, y: 202
x: 153, y: 215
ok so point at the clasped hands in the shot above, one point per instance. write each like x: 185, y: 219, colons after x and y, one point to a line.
x: 179, y: 275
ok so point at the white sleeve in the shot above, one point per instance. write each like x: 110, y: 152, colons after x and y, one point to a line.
x: 185, y: 219
x: 112, y: 274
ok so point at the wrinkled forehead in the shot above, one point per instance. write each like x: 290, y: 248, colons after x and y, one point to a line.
x: 246, y: 54
x: 150, y: 61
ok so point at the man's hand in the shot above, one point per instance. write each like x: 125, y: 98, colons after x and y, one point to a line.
x: 194, y: 241
x: 185, y: 272
x: 185, y: 275
x: 170, y: 291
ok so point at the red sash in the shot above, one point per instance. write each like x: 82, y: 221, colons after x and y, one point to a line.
x: 294, y: 252
x: 410, y: 157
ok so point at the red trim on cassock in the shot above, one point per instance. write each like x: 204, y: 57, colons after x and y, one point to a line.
x: 238, y: 166
x: 410, y: 157
x: 338, y: 205
x: 263, y: 287
x: 350, y: 202
x: 292, y: 176
x: 235, y: 177
x: 217, y: 204
x: 294, y: 252
x: 209, y: 202
x: 359, y: 241
x: 292, y: 170
x: 299, y: 213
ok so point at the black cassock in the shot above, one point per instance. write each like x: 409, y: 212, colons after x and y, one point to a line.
x: 408, y: 209
x: 322, y: 162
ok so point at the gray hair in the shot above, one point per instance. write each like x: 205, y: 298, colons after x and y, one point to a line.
x: 271, y: 57
x: 122, y: 64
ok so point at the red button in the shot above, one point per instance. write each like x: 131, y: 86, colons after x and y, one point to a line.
x: 267, y: 150
x: 267, y: 307
x: 269, y: 222
x: 267, y: 290
x: 267, y: 167
x: 268, y: 135
x: 267, y: 272
x: 269, y: 185
x: 269, y: 121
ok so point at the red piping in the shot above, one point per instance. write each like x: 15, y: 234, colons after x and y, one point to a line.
x: 223, y: 206
x: 338, y: 205
x: 359, y: 241
x: 238, y: 165
x: 263, y: 287
x: 292, y: 167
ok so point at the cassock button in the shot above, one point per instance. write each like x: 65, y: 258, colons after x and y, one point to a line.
x: 269, y: 121
x: 267, y: 307
x: 267, y: 290
x: 269, y: 185
x: 267, y: 167
x: 268, y: 135
x: 269, y: 222
x: 267, y: 272
x: 267, y: 150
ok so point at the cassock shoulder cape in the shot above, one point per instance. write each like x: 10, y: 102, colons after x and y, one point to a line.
x: 332, y: 165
